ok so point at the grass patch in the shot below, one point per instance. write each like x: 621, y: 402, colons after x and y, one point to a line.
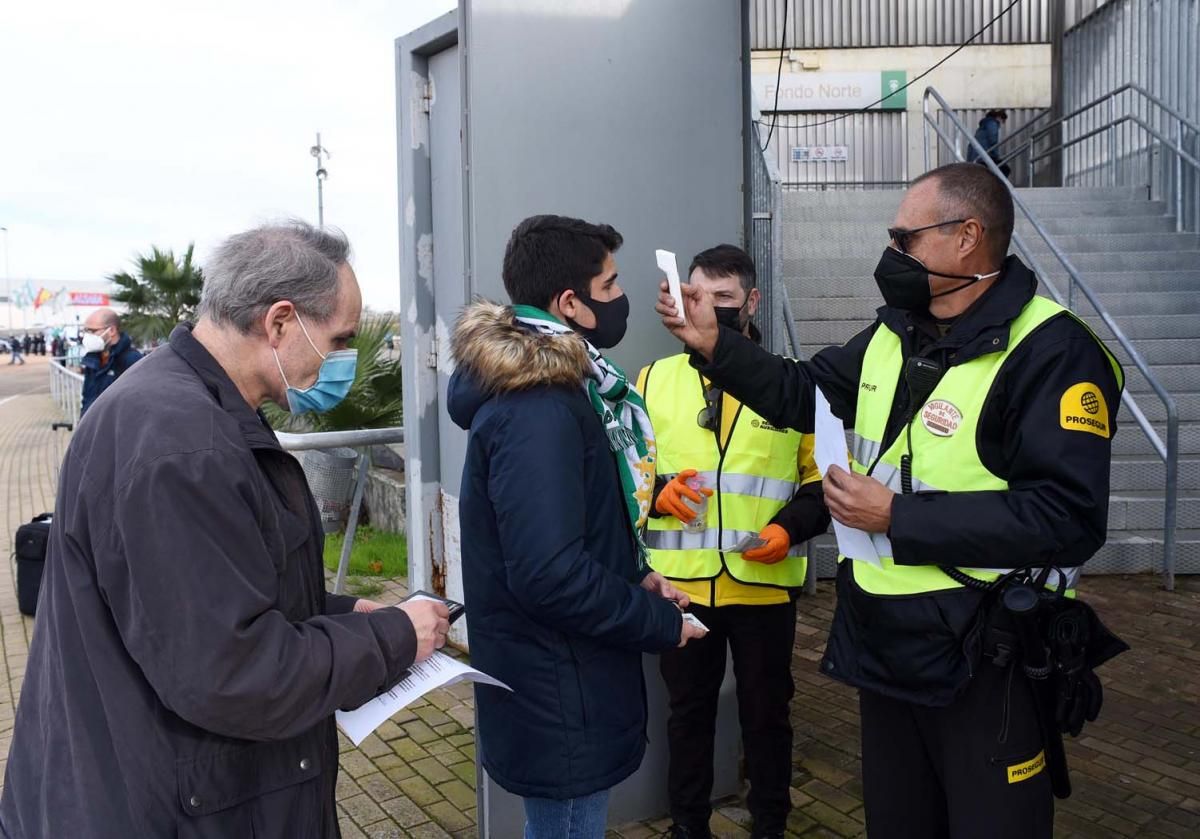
x: 375, y: 553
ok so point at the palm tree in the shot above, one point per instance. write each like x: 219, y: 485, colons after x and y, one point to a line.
x: 164, y: 291
x: 375, y: 399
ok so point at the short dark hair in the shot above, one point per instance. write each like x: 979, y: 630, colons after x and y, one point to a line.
x: 726, y: 261
x: 971, y: 190
x: 546, y: 255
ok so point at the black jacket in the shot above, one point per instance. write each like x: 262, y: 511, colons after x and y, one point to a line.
x: 549, y: 566
x: 1055, y: 511
x: 97, y: 375
x: 186, y: 661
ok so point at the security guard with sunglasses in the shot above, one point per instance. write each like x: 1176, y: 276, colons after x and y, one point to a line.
x: 736, y: 500
x: 983, y: 418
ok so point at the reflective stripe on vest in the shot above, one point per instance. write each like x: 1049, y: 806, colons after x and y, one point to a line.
x: 753, y: 480
x: 945, y: 461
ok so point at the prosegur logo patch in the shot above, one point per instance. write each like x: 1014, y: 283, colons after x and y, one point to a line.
x: 1082, y: 408
x: 1024, y: 771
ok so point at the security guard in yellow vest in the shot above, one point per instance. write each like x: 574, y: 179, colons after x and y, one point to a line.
x: 983, y: 419
x: 760, y: 485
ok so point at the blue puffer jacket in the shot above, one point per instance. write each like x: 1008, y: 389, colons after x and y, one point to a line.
x: 988, y: 136
x: 98, y: 376
x: 549, y: 566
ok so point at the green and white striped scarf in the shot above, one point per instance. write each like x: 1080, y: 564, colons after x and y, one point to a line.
x: 623, y: 412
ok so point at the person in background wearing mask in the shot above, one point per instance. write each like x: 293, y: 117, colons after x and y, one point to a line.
x: 556, y: 489
x: 768, y: 488
x: 188, y: 661
x: 108, y: 352
x: 983, y: 418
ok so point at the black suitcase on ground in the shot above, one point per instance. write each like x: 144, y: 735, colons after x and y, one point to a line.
x: 31, y: 541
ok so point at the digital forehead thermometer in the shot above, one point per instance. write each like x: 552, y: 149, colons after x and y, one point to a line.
x: 666, y: 262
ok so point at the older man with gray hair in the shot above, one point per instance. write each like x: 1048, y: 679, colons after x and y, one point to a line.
x: 187, y: 660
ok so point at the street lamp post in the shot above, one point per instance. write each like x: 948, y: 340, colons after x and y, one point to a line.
x: 321, y: 154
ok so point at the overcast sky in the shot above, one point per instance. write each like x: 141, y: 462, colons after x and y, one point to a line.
x: 127, y: 123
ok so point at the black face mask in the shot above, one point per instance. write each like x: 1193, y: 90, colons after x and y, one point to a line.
x: 612, y: 318
x: 903, y: 281
x: 731, y: 316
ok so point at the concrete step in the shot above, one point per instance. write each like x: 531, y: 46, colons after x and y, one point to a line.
x: 1131, y: 440
x: 881, y: 207
x: 1141, y: 551
x: 1175, y: 378
x: 818, y: 231
x: 1118, y: 305
x: 1144, y: 511
x: 861, y: 262
x: 1134, y: 473
x: 1188, y: 405
x: 1145, y: 282
x: 1097, y: 224
x: 1086, y: 193
x: 1125, y: 552
x: 1076, y: 243
x: 1138, y: 327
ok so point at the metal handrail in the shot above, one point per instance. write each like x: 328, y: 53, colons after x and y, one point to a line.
x: 1169, y: 451
x: 362, y: 439
x: 1181, y: 156
x: 785, y: 306
x: 1107, y: 97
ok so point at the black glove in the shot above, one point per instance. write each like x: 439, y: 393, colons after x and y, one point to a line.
x: 1079, y: 643
x: 1080, y: 696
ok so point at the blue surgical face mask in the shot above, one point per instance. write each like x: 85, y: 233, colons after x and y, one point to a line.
x: 333, y: 380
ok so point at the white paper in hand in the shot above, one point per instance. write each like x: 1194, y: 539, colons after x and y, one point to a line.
x: 439, y: 670
x: 689, y: 618
x: 668, y: 265
x: 829, y: 449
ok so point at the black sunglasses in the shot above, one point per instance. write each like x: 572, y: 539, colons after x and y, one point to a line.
x: 709, y: 417
x: 903, y: 238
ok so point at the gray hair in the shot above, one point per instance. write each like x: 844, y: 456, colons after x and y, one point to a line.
x: 249, y: 272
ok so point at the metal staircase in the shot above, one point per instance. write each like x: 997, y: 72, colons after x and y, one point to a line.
x: 1112, y: 254
x: 1148, y: 280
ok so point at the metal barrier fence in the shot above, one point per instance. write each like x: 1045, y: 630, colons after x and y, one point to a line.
x: 766, y: 248
x: 66, y: 389
x: 361, y: 440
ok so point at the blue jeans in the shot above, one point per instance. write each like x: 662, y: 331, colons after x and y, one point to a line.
x: 574, y: 818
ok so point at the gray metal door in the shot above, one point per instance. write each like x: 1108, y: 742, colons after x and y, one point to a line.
x: 450, y: 294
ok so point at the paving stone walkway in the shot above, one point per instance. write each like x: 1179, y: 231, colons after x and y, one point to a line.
x: 1136, y: 772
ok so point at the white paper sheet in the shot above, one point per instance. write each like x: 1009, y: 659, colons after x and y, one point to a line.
x: 439, y: 670
x: 830, y: 450
x: 668, y: 265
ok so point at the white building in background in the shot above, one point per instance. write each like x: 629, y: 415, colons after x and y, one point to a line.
x: 835, y: 57
x: 52, y: 306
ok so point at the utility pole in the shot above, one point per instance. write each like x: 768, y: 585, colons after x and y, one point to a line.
x: 7, y: 278
x: 321, y: 154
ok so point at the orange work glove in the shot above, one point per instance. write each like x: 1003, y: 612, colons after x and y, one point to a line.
x: 776, y: 549
x: 670, y: 500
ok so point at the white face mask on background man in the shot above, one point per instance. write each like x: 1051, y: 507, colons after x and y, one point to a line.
x: 95, y: 341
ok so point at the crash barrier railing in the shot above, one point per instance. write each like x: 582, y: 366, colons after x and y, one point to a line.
x: 766, y: 247
x: 361, y: 441
x: 1184, y: 212
x: 66, y: 389
x: 1168, y: 451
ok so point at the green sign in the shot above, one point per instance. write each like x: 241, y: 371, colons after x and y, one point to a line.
x: 893, y: 92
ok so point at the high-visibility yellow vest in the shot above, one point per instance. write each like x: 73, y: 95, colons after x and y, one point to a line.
x: 944, y: 453
x: 753, y: 477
